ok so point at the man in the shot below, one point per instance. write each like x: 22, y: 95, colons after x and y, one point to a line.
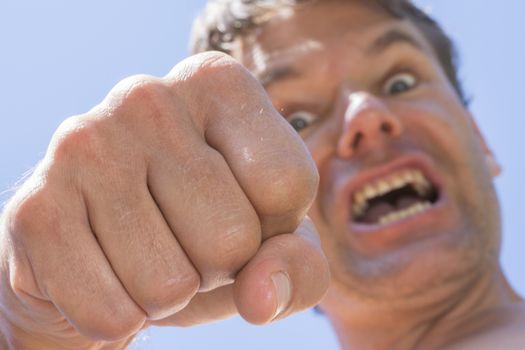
x: 406, y: 210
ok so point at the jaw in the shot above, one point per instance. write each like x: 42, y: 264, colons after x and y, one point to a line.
x: 413, y: 261
x: 430, y: 321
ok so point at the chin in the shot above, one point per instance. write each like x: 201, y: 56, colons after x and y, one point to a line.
x: 428, y: 271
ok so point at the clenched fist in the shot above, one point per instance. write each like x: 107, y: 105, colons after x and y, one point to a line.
x: 176, y: 201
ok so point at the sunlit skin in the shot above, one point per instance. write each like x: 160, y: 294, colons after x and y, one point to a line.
x: 369, y: 97
x: 181, y: 199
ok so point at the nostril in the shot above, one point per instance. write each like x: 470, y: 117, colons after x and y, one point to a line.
x: 386, y: 127
x: 357, y: 138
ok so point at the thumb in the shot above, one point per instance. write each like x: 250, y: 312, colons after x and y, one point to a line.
x: 288, y: 274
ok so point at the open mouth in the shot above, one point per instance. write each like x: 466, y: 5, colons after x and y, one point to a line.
x: 402, y: 194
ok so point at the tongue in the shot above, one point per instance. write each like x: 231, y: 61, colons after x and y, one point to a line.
x: 376, y: 211
x: 406, y: 201
x: 381, y: 208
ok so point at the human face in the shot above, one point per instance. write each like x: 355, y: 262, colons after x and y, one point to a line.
x: 406, y: 205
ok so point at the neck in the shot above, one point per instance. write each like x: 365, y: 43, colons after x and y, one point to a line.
x: 430, y: 324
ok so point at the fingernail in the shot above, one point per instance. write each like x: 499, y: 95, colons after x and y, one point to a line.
x: 283, y: 292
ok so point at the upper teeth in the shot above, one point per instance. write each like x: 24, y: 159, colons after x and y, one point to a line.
x: 387, y: 184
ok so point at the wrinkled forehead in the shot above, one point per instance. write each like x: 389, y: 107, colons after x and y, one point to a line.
x: 296, y: 32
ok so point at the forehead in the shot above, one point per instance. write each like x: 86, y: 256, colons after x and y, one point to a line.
x: 329, y: 27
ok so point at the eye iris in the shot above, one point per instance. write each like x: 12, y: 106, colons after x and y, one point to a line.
x: 399, y: 86
x: 298, y: 124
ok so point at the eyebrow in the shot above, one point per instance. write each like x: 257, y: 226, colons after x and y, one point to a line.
x: 390, y: 38
x: 382, y: 43
x: 283, y: 69
x: 274, y: 74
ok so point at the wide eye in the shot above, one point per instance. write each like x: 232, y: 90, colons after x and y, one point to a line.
x: 301, y: 119
x: 399, y: 83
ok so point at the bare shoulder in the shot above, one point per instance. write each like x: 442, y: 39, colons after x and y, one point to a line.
x: 505, y: 330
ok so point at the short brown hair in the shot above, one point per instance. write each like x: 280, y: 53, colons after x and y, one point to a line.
x: 223, y: 20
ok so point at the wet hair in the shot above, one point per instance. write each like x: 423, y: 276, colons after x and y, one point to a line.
x: 222, y: 21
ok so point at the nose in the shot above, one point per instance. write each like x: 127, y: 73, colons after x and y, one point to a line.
x: 368, y: 124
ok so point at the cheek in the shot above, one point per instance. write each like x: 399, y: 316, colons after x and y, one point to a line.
x: 324, y: 201
x: 442, y: 126
x: 445, y: 130
x: 320, y: 208
x: 321, y: 141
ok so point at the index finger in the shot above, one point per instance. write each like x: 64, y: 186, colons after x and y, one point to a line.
x: 267, y: 157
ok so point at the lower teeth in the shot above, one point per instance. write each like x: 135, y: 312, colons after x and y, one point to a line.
x: 404, y: 213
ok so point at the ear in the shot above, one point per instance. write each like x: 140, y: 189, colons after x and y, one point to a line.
x: 490, y: 159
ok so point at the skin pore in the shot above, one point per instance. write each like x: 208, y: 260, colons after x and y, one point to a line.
x: 369, y: 97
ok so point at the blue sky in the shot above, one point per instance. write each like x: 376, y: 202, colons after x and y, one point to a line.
x: 59, y: 58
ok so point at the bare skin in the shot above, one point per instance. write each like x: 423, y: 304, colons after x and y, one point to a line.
x: 112, y: 196
x: 371, y: 101
x: 163, y: 205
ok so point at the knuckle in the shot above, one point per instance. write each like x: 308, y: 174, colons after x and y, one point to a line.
x: 28, y: 214
x: 171, y: 295
x: 20, y: 281
x: 140, y: 102
x: 237, y: 246
x: 118, y: 324
x: 289, y: 188
x: 76, y: 136
x: 220, y: 65
x: 139, y: 90
x: 34, y: 219
x: 213, y: 68
x: 234, y: 245
x: 134, y: 105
